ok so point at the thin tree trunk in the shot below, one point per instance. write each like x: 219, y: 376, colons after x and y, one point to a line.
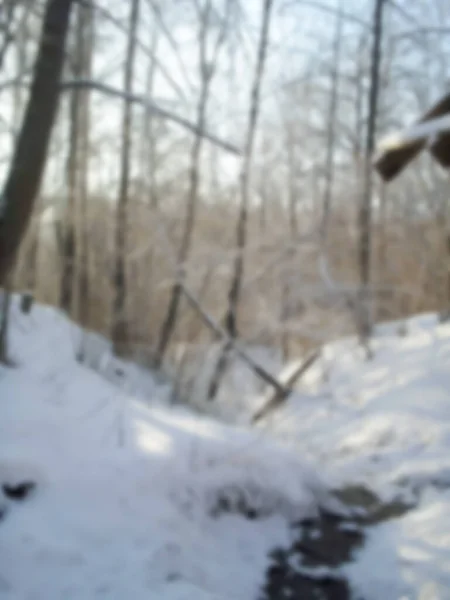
x: 331, y: 129
x: 83, y: 259
x: 149, y: 167
x: 119, y: 317
x: 74, y: 284
x: 293, y: 195
x: 383, y: 240
x: 241, y: 231
x: 359, y: 102
x: 207, y: 69
x: 4, y: 320
x: 68, y: 229
x: 364, y: 316
x: 29, y: 158
x: 286, y: 285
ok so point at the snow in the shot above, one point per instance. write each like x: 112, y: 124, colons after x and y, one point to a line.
x: 408, y: 558
x: 414, y: 133
x: 138, y: 499
x: 385, y: 424
x: 128, y: 490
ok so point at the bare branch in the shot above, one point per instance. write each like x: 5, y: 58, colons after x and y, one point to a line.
x: 159, y: 17
x: 234, y: 345
x: 275, y: 399
x: 110, y: 17
x: 151, y: 107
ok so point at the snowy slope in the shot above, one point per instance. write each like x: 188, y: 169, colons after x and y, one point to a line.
x: 128, y: 492
x: 385, y: 424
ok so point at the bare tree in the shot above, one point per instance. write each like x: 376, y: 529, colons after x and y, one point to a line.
x: 5, y: 304
x: 149, y: 160
x: 87, y: 31
x: 286, y: 284
x: 119, y: 331
x: 207, y: 69
x: 28, y: 161
x: 365, y: 212
x: 68, y: 232
x: 6, y: 25
x: 244, y: 187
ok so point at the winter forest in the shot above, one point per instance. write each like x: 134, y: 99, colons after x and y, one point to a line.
x: 220, y: 148
x: 198, y: 253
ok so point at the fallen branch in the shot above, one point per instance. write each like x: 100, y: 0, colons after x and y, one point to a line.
x: 274, y: 400
x: 150, y: 106
x: 280, y: 390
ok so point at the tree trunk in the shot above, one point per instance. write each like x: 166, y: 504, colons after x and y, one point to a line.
x: 119, y: 332
x: 286, y: 283
x: 241, y: 230
x: 28, y: 162
x: 364, y: 317
x: 68, y: 241
x: 69, y: 225
x: 149, y: 167
x: 331, y: 130
x: 5, y: 304
x: 83, y: 287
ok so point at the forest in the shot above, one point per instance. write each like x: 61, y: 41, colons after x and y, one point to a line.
x: 191, y: 210
x: 224, y: 150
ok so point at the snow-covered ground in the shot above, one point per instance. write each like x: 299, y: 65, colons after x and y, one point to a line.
x: 385, y: 424
x: 130, y: 491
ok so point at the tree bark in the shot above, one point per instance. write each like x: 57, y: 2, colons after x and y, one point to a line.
x: 28, y: 162
x: 68, y: 246
x: 149, y: 168
x: 286, y: 283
